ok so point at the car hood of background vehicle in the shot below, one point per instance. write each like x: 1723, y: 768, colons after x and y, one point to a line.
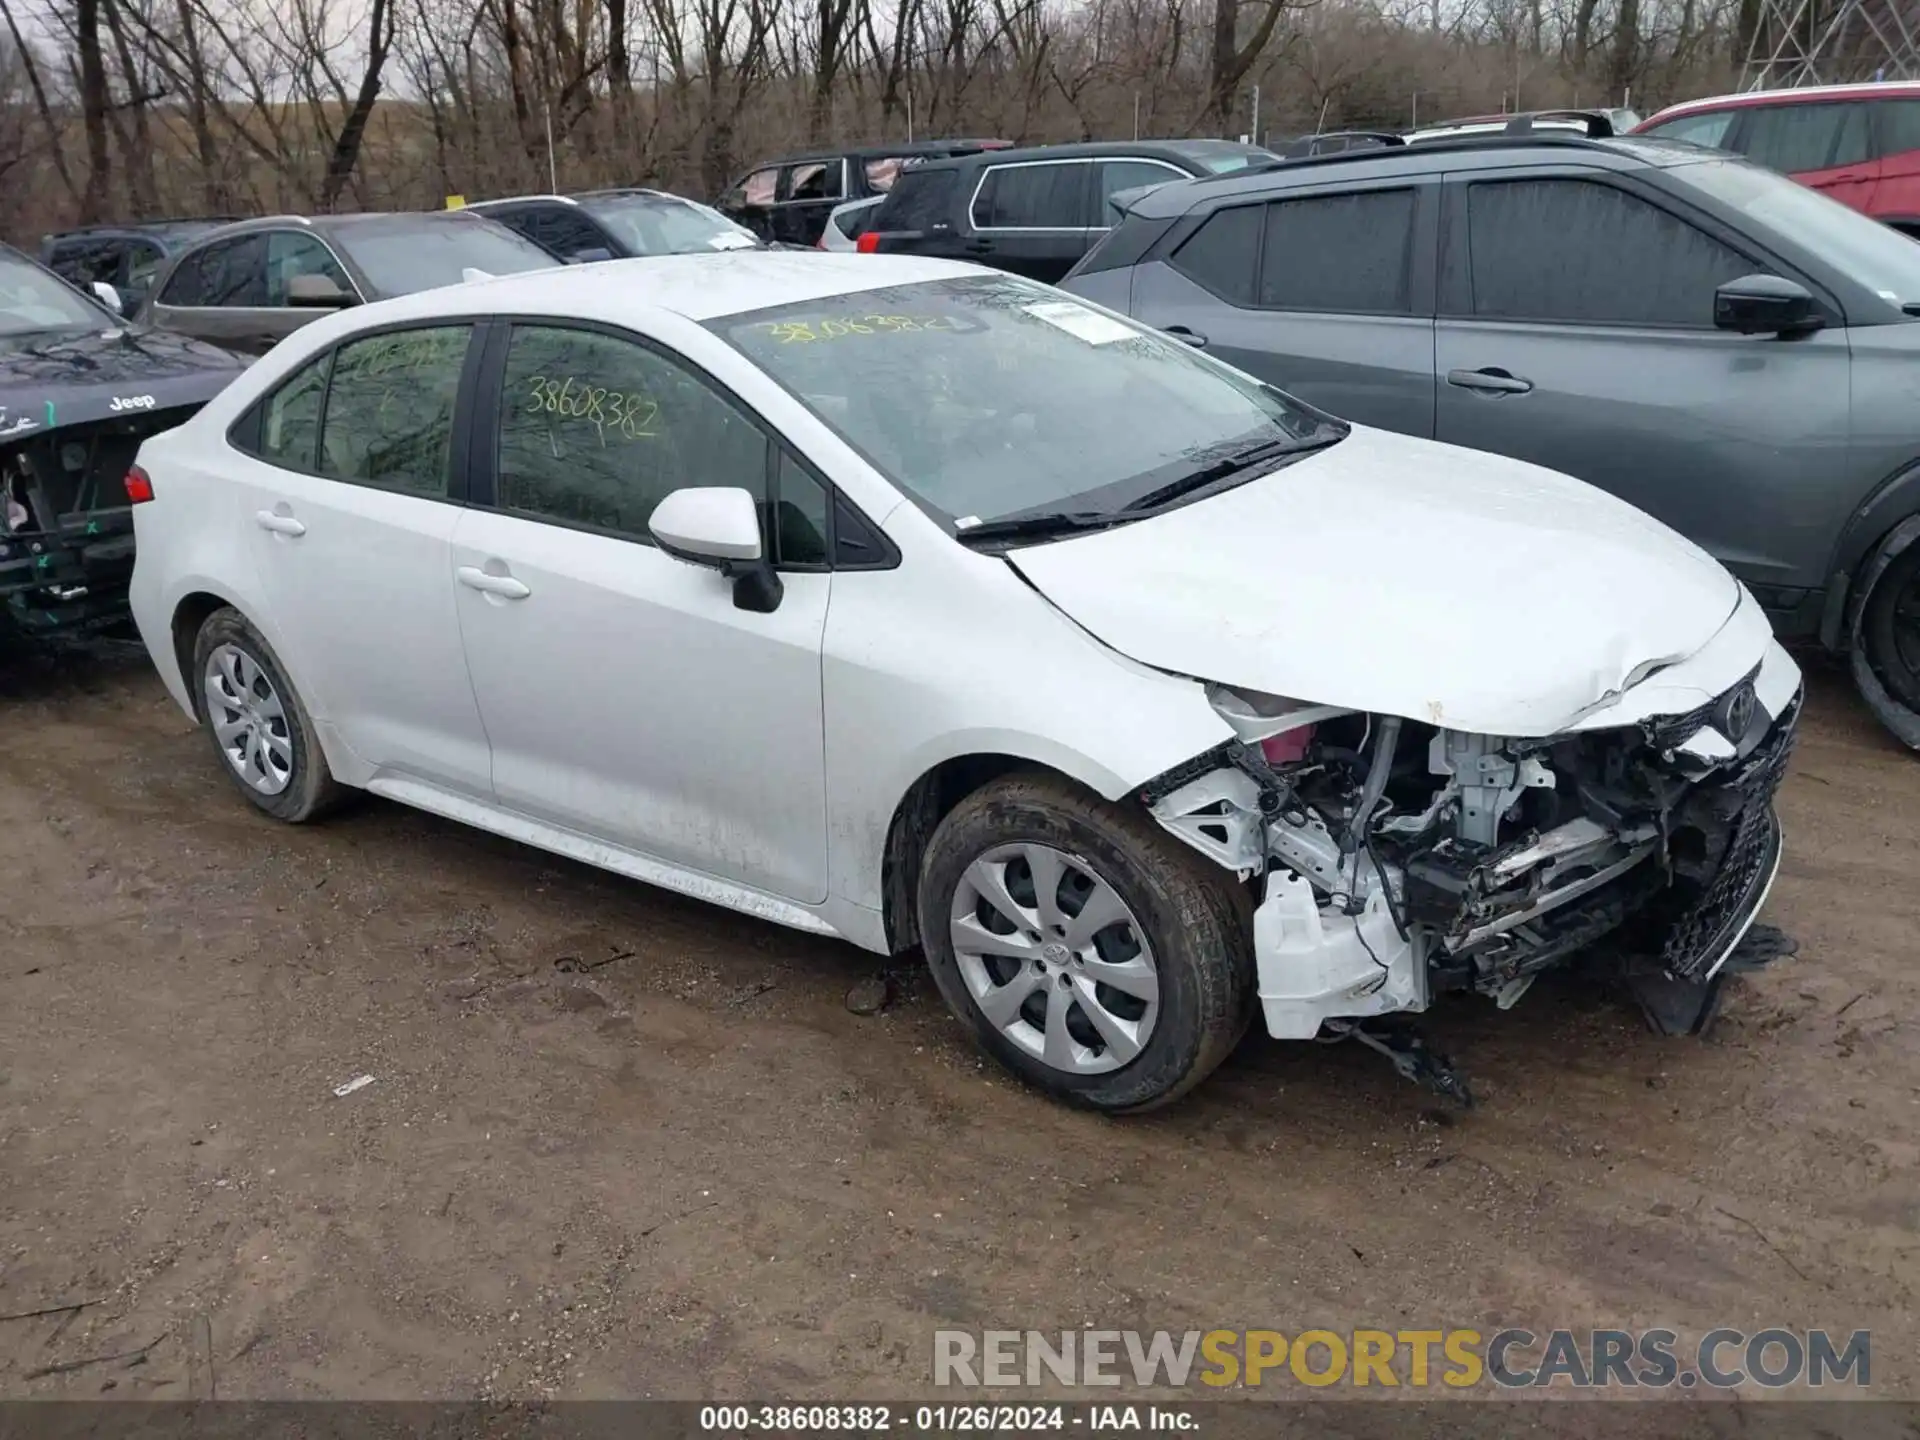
x: 81, y: 375
x: 1402, y: 577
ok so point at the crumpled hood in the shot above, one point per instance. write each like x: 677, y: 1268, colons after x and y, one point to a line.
x: 1403, y: 577
x: 47, y: 382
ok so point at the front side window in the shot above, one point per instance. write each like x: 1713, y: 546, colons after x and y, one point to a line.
x: 388, y: 419
x: 1050, y: 196
x: 596, y: 430
x: 224, y: 274
x: 757, y: 189
x: 291, y: 254
x: 883, y: 172
x: 987, y: 395
x: 1349, y: 254
x: 1796, y: 138
x: 815, y: 180
x: 1581, y: 252
x: 1709, y: 129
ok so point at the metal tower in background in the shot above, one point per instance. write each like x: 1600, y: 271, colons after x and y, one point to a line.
x: 1831, y: 42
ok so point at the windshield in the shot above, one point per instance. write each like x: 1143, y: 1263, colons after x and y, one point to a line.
x: 424, y: 254
x: 989, y: 396
x: 32, y: 302
x: 667, y: 224
x: 1875, y: 255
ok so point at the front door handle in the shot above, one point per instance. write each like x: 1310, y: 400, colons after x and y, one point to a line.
x: 1187, y: 337
x: 487, y: 583
x: 279, y: 521
x: 1490, y: 381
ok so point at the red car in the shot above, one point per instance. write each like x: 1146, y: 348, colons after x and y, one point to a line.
x: 1858, y: 143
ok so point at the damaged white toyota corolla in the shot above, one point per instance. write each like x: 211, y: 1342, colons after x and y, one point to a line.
x: 896, y: 600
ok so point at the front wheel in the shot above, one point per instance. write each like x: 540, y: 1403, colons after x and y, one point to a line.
x: 1094, y: 955
x: 1890, y: 627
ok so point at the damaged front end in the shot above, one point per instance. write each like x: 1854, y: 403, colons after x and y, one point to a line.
x: 66, y: 528
x: 1393, y: 860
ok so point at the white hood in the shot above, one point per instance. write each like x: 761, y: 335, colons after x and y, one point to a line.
x: 1403, y: 577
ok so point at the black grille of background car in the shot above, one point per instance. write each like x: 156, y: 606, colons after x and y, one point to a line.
x: 1670, y: 731
x: 1742, y: 810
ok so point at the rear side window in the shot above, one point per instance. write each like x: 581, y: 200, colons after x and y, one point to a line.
x: 1350, y: 254
x: 1899, y: 122
x: 919, y: 200
x: 1047, y: 196
x: 289, y: 433
x: 1223, y: 255
x: 1580, y: 252
x: 1709, y: 129
x: 1797, y: 138
x: 388, y: 418
x: 816, y: 180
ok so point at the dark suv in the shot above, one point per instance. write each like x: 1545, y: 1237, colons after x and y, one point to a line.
x: 1728, y: 350
x: 1035, y: 212
x: 127, y: 257
x: 788, y: 201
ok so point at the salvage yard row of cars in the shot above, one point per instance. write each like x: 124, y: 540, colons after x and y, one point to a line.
x: 1145, y: 656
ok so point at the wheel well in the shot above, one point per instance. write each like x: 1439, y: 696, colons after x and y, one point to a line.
x: 188, y: 616
x: 919, y: 812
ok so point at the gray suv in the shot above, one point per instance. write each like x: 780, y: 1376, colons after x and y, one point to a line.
x: 1729, y: 351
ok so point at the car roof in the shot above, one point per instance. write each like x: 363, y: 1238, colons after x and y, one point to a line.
x: 700, y: 287
x: 1187, y: 150
x: 904, y: 149
x: 364, y: 221
x: 1804, y: 94
x: 1425, y: 157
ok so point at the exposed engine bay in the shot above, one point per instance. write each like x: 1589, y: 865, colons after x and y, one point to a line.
x: 1392, y: 861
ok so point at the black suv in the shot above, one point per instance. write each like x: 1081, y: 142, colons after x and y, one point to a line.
x: 127, y: 257
x: 617, y: 224
x: 1730, y: 351
x: 789, y: 200
x: 1034, y: 212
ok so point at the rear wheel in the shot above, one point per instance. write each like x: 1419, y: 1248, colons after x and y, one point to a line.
x: 257, y: 723
x: 1093, y: 955
x: 1890, y: 628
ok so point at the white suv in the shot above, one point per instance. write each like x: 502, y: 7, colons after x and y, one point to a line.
x: 898, y: 600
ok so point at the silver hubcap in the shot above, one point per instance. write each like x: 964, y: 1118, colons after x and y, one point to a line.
x: 249, y: 721
x: 1054, y: 958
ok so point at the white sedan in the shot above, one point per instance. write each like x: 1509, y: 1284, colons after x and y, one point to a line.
x: 898, y: 600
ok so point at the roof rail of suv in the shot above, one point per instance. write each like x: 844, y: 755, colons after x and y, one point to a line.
x: 1518, y: 134
x: 1368, y: 139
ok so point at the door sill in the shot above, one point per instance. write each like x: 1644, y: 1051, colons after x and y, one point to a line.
x: 598, y: 853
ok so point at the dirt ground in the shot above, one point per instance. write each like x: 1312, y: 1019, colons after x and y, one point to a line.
x: 620, y: 1144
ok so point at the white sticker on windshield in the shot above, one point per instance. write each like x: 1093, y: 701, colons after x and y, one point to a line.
x: 1082, y: 323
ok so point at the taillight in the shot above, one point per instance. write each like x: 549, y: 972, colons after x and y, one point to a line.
x: 139, y: 486
x: 868, y: 244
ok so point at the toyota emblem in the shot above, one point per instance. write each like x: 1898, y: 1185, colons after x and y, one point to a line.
x: 1735, y: 713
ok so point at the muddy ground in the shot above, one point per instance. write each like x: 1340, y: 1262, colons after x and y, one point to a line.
x: 618, y: 1144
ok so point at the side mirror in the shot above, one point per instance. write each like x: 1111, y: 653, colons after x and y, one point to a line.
x: 719, y: 528
x: 319, y: 292
x: 109, y: 297
x: 1765, y: 305
x: 589, y: 255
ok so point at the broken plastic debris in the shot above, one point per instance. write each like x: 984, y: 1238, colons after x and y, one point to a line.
x: 359, y: 1082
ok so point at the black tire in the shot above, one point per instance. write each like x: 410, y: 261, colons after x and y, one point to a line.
x: 311, y: 791
x: 1197, y: 924
x: 1890, y: 628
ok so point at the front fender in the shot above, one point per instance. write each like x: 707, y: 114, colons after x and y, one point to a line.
x: 1891, y: 507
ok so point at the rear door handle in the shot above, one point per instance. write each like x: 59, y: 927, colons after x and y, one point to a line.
x: 487, y: 583
x: 1491, y: 381
x: 279, y: 522
x: 1187, y: 337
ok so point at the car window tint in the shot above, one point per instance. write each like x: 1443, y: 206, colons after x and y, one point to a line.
x: 290, y: 253
x: 1796, y: 138
x: 389, y: 412
x: 1709, y: 129
x: 919, y: 200
x: 882, y: 173
x: 818, y: 180
x: 86, y: 261
x: 1899, y: 122
x: 1223, y: 254
x: 290, y: 418
x: 1582, y: 252
x: 757, y: 188
x: 562, y: 229
x: 1345, y: 253
x: 143, y: 262
x: 799, y: 515
x: 1032, y: 197
x: 225, y: 273
x: 1854, y: 147
x: 1118, y: 175
x: 596, y: 430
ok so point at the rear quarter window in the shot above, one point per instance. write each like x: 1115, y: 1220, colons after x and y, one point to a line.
x: 920, y: 199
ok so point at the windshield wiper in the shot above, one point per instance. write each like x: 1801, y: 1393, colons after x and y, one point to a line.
x: 1233, y: 464
x: 1041, y: 523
